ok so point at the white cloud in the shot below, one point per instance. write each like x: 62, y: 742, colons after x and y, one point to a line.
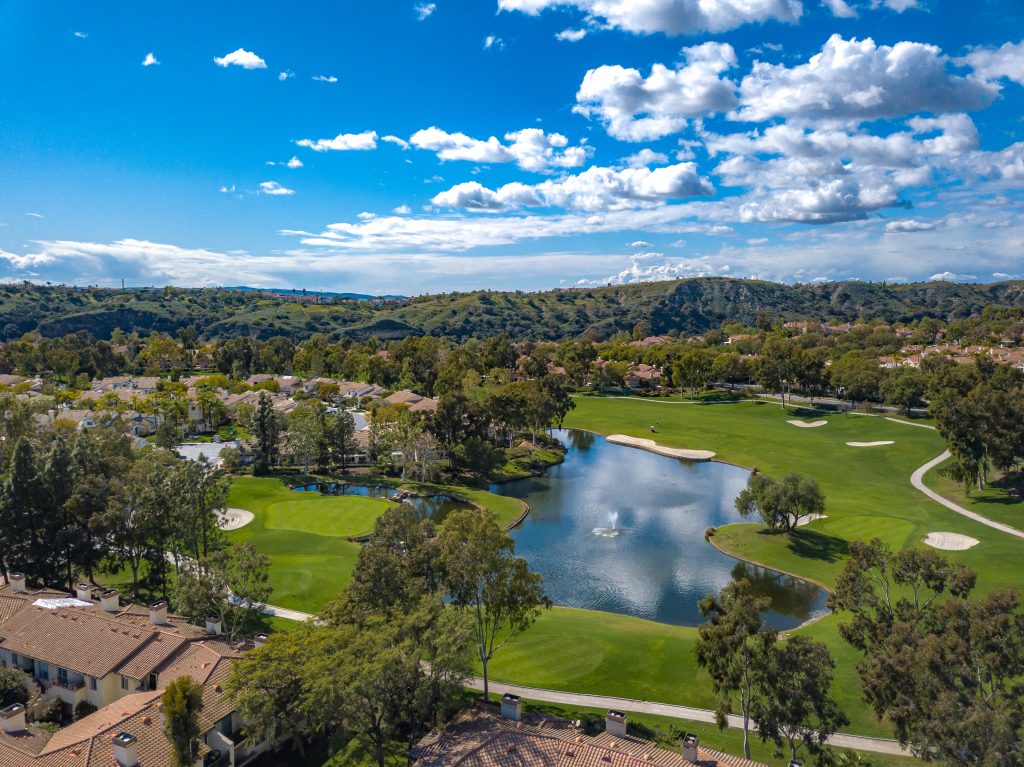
x: 150, y: 60
x: 571, y: 35
x: 951, y: 277
x: 908, y: 225
x: 840, y: 8
x: 896, y: 5
x: 638, y: 244
x: 81, y: 35
x: 673, y: 17
x: 595, y: 189
x: 400, y: 142
x: 342, y: 142
x: 241, y: 58
x: 995, y: 63
x: 275, y: 189
x: 34, y: 215
x: 295, y: 162
x: 285, y: 75
x: 492, y: 41
x: 857, y: 79
x: 637, y: 108
x: 645, y: 157
x: 324, y: 78
x: 530, y: 148
x: 423, y: 10
x: 227, y: 189
x: 402, y: 210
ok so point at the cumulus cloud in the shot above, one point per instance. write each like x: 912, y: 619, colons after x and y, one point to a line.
x: 275, y: 189
x: 492, y: 42
x: 530, y: 148
x: 295, y: 162
x: 150, y: 60
x: 908, y: 225
x: 951, y: 277
x: 324, y: 78
x: 859, y: 80
x: 995, y: 63
x: 423, y: 10
x: 571, y: 35
x: 673, y: 17
x: 343, y: 142
x: 595, y: 189
x: 645, y: 157
x: 286, y: 75
x: 402, y: 210
x: 637, y: 108
x: 400, y: 142
x: 840, y: 8
x: 240, y: 58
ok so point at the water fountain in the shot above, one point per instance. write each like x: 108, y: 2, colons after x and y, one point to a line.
x: 612, y: 531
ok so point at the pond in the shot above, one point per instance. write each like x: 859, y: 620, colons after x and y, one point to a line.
x: 433, y: 507
x: 619, y: 529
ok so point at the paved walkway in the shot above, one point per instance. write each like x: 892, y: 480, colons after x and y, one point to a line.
x: 917, y: 480
x: 859, y: 742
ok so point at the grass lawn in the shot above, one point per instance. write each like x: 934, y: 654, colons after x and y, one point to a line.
x: 868, y: 494
x: 994, y: 502
x: 306, y: 534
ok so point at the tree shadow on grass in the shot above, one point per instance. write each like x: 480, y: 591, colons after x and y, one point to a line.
x: 1012, y: 487
x: 811, y: 544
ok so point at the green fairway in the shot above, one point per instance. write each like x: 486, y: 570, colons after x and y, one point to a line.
x: 868, y: 494
x: 993, y: 502
x: 306, y: 534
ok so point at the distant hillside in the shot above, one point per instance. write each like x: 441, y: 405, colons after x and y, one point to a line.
x: 328, y: 293
x: 688, y: 306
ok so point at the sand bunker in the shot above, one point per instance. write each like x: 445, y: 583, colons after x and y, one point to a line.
x: 654, y: 447
x: 811, y: 518
x: 807, y: 424
x: 950, y: 541
x: 871, y: 444
x: 233, y: 519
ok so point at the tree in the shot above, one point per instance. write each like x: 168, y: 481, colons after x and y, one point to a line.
x: 341, y: 434
x: 775, y: 369
x: 795, y: 701
x: 693, y: 369
x: 182, y: 703
x: 781, y: 503
x: 267, y: 430
x: 944, y: 669
x: 732, y: 646
x: 12, y: 687
x: 232, y: 585
x: 482, y: 576
x: 307, y: 433
x: 24, y: 526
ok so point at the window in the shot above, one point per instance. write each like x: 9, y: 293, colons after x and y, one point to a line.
x: 92, y: 683
x: 152, y: 682
x: 124, y: 682
x: 62, y: 675
x: 42, y: 670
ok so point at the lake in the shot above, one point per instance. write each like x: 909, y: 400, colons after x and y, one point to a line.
x: 655, y: 563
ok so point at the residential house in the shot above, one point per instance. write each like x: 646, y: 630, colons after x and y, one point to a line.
x: 416, y: 402
x: 481, y: 737
x: 643, y: 376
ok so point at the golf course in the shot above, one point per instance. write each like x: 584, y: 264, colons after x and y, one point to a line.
x: 862, y: 463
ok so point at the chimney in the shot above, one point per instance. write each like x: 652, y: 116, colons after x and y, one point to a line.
x: 690, y: 748
x: 158, y: 613
x: 110, y: 601
x: 615, y: 723
x: 12, y: 718
x: 83, y: 592
x: 511, y: 706
x: 214, y: 625
x: 126, y: 749
x: 259, y: 640
x: 17, y: 581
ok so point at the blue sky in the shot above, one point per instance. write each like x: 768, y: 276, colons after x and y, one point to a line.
x: 416, y: 147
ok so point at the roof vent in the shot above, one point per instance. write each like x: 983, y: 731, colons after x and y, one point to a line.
x: 690, y: 747
x: 126, y: 749
x: 615, y: 723
x: 12, y: 718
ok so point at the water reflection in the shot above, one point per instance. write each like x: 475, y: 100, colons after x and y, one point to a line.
x: 432, y: 507
x: 659, y: 565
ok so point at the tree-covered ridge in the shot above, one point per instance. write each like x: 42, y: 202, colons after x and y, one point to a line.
x: 685, y: 306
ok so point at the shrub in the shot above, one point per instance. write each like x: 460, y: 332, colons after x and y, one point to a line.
x: 84, y: 709
x: 47, y: 710
x: 12, y: 687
